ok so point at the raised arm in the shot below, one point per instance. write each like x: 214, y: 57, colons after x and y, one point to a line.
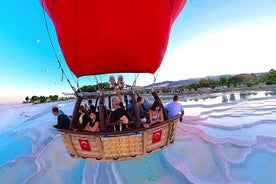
x: 120, y: 98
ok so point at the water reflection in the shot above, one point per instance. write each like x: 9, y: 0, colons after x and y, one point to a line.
x: 246, y: 95
x: 214, y: 98
x: 224, y: 98
x: 227, y: 97
x: 270, y: 93
x: 232, y: 97
x: 242, y: 96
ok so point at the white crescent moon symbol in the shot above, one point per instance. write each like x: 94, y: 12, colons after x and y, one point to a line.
x: 83, y: 143
x: 157, y: 135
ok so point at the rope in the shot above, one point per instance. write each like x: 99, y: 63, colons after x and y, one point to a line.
x: 101, y: 78
x: 154, y: 79
x: 100, y: 86
x: 135, y: 80
x: 55, y: 53
x: 64, y: 74
x: 156, y: 74
x: 48, y: 32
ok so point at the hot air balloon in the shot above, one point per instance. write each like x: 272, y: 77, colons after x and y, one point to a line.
x: 105, y: 37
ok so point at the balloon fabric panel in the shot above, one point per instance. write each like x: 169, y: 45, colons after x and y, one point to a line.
x: 98, y: 37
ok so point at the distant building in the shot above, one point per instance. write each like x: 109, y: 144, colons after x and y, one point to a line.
x: 48, y: 100
x: 36, y: 102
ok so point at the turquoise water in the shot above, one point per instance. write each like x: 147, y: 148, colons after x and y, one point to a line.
x: 150, y: 169
x: 13, y: 147
x: 218, y: 142
x: 262, y: 164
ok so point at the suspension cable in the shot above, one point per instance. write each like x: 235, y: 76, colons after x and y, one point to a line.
x: 98, y: 84
x: 55, y: 53
x: 155, y: 76
x: 135, y: 79
x: 157, y: 72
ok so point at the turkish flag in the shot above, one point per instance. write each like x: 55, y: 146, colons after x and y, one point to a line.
x: 84, y: 144
x: 156, y: 136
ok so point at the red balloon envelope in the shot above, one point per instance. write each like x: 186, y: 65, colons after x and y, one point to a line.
x: 113, y: 36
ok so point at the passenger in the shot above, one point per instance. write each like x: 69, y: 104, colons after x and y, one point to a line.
x: 112, y: 82
x: 130, y: 108
x: 155, y: 114
x: 83, y: 119
x: 121, y: 82
x: 93, y: 124
x: 146, y: 105
x: 63, y: 121
x: 175, y: 108
x: 141, y: 111
x: 90, y: 107
x: 119, y: 112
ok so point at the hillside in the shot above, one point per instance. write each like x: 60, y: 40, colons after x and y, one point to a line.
x: 192, y: 80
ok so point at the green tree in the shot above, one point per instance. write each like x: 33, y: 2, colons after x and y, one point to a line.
x: 204, y: 82
x: 271, y: 77
x: 27, y: 99
x: 42, y: 99
x: 213, y: 84
x: 34, y: 98
x: 53, y: 97
x: 229, y: 81
x: 222, y: 80
x: 193, y: 86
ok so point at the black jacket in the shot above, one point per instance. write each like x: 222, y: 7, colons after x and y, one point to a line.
x: 63, y: 122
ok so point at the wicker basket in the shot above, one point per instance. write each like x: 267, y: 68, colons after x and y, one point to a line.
x: 122, y: 146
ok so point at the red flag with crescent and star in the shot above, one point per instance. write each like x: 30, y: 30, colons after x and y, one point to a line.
x: 156, y: 136
x: 84, y: 144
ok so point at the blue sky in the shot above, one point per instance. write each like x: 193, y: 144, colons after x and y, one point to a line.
x: 209, y: 38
